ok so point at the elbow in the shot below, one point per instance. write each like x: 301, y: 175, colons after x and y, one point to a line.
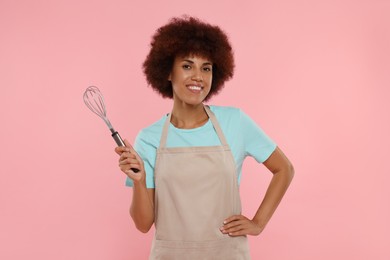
x: 143, y: 229
x: 291, y: 171
x: 286, y: 172
x: 142, y: 225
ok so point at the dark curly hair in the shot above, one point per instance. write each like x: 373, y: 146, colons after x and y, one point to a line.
x: 188, y: 36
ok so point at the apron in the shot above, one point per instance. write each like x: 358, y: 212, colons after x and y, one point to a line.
x: 195, y: 191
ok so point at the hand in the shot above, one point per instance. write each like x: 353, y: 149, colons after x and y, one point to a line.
x: 129, y: 159
x: 239, y: 225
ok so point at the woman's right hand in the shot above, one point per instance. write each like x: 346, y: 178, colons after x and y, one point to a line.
x: 128, y: 159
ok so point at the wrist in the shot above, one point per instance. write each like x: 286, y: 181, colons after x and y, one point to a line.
x: 139, y: 184
x: 259, y: 223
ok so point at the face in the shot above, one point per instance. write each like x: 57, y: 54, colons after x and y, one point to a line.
x: 191, y: 78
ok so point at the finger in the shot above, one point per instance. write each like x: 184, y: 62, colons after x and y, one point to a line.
x: 233, y: 224
x: 128, y: 167
x: 127, y: 143
x: 238, y: 233
x: 232, y: 218
x: 132, y: 175
x: 120, y: 149
x: 245, y: 227
x: 126, y: 155
x: 235, y: 230
x: 128, y: 161
x: 133, y: 151
x: 242, y: 227
x: 134, y: 166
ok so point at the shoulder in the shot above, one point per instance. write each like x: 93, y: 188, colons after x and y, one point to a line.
x: 226, y: 112
x: 232, y: 117
x: 224, y: 109
x: 151, y: 134
x: 229, y: 118
x: 155, y: 127
x: 232, y: 113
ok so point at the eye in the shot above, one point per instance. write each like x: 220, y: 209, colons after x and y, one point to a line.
x: 207, y: 69
x: 186, y: 66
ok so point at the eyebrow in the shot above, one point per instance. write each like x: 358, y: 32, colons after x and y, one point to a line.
x: 190, y: 61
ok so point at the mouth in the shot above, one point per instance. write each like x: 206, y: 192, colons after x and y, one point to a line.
x: 195, y: 88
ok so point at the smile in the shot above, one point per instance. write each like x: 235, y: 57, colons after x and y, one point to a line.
x: 195, y: 88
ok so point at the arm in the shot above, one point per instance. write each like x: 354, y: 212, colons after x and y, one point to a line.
x: 142, y: 206
x: 283, y: 173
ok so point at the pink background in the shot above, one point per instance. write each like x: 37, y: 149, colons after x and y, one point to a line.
x: 313, y: 74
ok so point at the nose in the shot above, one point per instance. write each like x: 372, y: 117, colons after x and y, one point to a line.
x: 197, y: 76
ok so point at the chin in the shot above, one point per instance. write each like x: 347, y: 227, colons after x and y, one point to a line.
x: 190, y: 101
x: 194, y: 103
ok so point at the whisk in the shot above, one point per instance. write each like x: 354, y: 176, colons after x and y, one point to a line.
x: 94, y: 100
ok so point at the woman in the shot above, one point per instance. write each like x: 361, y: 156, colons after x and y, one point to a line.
x: 190, y: 160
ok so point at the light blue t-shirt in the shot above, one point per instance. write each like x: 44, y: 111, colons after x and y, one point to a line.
x: 243, y: 135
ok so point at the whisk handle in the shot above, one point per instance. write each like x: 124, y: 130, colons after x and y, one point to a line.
x: 118, y: 139
x: 120, y: 142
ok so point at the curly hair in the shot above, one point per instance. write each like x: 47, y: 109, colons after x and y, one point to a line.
x: 188, y: 36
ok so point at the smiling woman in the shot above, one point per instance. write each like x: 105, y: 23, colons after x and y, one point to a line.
x: 189, y: 162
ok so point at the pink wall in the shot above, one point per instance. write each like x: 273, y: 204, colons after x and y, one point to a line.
x: 313, y: 74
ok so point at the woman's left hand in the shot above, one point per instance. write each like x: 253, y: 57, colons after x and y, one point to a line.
x: 239, y: 225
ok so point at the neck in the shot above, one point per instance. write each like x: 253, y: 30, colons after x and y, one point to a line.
x: 188, y: 116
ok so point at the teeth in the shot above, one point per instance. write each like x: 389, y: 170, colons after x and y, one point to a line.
x: 194, y: 87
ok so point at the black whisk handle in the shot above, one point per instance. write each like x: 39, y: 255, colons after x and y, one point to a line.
x: 120, y: 142
x: 118, y: 139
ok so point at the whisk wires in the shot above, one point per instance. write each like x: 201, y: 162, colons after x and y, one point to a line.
x: 94, y: 100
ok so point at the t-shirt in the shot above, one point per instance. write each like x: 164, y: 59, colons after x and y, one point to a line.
x: 242, y: 134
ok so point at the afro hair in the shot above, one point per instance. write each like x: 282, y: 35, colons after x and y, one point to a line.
x: 182, y: 37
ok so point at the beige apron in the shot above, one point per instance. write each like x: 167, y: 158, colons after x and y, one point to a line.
x: 196, y: 190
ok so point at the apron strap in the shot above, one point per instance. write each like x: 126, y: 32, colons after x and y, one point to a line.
x: 213, y: 119
x: 215, y: 123
x: 164, y: 134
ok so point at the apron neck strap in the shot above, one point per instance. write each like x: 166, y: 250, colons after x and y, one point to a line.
x: 213, y: 120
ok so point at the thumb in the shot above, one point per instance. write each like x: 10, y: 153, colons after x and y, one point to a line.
x: 127, y: 143
x: 132, y: 150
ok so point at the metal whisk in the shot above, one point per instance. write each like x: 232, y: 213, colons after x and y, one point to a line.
x: 94, y: 100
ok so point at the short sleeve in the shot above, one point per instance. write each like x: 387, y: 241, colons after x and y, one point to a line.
x: 256, y: 143
x: 147, y: 152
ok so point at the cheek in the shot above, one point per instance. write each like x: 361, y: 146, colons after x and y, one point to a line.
x: 178, y: 78
x: 210, y: 80
x: 174, y: 82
